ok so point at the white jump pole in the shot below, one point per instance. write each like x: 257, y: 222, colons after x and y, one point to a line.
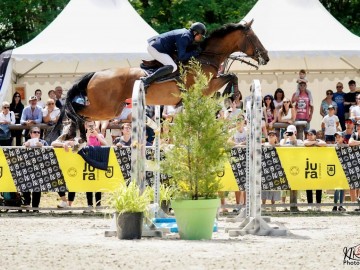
x: 254, y: 223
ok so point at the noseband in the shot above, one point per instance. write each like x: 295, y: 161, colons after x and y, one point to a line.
x: 250, y: 39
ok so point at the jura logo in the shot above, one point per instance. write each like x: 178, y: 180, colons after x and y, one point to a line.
x: 312, y: 170
x: 88, y: 172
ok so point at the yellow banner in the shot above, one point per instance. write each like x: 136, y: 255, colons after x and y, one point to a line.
x: 228, y: 180
x: 80, y: 176
x: 6, y: 180
x: 312, y: 168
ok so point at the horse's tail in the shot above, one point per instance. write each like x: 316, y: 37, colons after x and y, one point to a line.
x: 70, y: 109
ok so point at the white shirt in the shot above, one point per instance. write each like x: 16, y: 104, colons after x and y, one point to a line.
x: 330, y: 124
x: 10, y: 117
x: 240, y: 137
x: 53, y: 115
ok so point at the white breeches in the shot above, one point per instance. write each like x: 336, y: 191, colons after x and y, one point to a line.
x: 163, y: 58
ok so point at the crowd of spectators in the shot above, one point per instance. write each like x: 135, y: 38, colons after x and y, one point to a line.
x: 340, y: 124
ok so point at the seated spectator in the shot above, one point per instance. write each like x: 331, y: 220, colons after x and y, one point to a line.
x: 311, y: 140
x: 6, y: 118
x: 51, y: 113
x: 125, y: 139
x: 269, y: 112
x: 34, y: 141
x: 31, y: 114
x: 349, y: 129
x: 330, y: 124
x: 339, y: 194
x: 290, y: 137
x: 239, y: 136
x: 279, y: 96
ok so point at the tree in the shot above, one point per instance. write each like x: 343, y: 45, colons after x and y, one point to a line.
x: 22, y: 20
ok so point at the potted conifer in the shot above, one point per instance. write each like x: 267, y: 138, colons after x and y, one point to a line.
x: 197, y: 156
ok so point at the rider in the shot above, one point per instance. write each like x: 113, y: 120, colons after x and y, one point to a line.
x: 178, y: 41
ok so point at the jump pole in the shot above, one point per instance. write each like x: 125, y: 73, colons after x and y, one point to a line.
x: 254, y: 223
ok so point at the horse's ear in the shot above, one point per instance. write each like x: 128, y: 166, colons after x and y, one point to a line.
x: 248, y: 25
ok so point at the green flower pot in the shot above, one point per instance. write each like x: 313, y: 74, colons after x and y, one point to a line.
x: 195, y: 218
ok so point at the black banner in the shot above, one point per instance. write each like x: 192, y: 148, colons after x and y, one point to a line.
x: 349, y: 158
x: 35, y: 169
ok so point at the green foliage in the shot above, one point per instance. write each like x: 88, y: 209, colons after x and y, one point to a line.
x: 200, y: 140
x: 128, y: 199
x: 167, y: 192
x: 22, y: 20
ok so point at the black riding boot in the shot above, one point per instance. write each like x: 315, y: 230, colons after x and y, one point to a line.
x: 161, y: 72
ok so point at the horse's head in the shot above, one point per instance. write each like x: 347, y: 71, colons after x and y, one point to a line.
x: 230, y: 38
x: 252, y: 46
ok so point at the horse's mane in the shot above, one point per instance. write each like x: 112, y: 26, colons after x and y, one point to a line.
x: 222, y: 31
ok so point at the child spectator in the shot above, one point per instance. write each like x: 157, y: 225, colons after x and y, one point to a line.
x: 339, y: 194
x: 302, y: 79
x: 330, y: 124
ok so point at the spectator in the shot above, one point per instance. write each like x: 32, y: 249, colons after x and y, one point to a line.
x: 304, y: 106
x: 355, y: 109
x: 279, y: 96
x: 7, y: 117
x: 272, y: 195
x: 60, y: 100
x: 71, y: 195
x: 169, y: 113
x: 349, y: 130
x: 302, y: 79
x: 17, y: 107
x: 94, y: 138
x: 51, y: 113
x: 350, y: 98
x: 34, y: 141
x: 270, y: 112
x: 239, y: 136
x: 32, y: 114
x: 52, y: 95
x: 339, y: 194
x: 311, y: 140
x: 286, y: 114
x: 339, y: 98
x: 290, y: 140
x: 125, y: 139
x: 355, y: 141
x: 38, y: 94
x: 326, y: 102
x: 320, y: 135
x: 330, y: 124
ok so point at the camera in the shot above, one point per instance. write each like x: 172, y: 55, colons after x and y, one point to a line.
x: 289, y: 133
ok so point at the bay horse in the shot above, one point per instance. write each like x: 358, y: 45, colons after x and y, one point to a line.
x: 107, y: 90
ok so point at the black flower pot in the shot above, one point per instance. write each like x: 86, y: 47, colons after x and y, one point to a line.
x: 129, y: 225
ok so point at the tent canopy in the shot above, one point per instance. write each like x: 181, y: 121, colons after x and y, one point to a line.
x: 88, y: 35
x: 302, y: 34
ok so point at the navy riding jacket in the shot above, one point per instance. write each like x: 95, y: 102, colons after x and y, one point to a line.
x: 176, y: 41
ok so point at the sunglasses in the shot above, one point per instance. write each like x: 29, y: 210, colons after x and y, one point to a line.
x: 17, y: 96
x: 286, y: 102
x: 50, y: 103
x: 329, y: 94
x: 6, y: 107
x: 36, y: 132
x: 339, y: 86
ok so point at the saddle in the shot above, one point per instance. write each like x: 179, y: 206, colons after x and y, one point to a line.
x: 149, y: 67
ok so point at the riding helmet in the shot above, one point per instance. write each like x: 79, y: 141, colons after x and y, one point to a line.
x: 199, y: 28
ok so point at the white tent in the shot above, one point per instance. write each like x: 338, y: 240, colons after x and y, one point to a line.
x: 88, y: 35
x: 301, y: 34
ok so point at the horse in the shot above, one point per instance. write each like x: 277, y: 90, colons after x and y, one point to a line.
x: 107, y: 90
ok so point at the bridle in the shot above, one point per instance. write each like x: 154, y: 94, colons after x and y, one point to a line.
x: 248, y: 42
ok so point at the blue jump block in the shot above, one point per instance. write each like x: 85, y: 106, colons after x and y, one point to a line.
x: 170, y: 223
